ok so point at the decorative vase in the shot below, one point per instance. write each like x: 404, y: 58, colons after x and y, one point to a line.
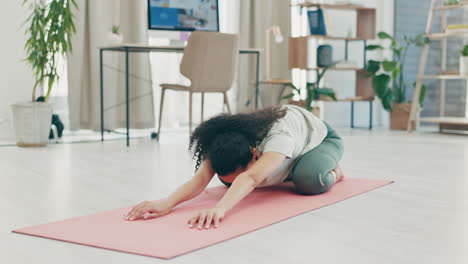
x: 324, y: 55
x: 114, y: 39
x: 399, y: 116
x: 464, y: 65
x: 31, y: 123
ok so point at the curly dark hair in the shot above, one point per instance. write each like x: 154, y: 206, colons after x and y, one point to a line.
x: 227, y: 139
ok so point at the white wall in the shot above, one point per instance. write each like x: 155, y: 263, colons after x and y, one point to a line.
x: 15, y: 76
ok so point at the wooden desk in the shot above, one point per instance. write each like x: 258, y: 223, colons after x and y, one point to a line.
x: 127, y: 48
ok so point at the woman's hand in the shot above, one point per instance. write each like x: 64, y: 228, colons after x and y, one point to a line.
x: 148, y: 209
x: 205, y: 218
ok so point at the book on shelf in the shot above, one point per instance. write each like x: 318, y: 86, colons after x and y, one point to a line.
x: 317, y: 22
x: 457, y: 28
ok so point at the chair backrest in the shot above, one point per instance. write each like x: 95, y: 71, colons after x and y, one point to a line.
x: 210, y: 61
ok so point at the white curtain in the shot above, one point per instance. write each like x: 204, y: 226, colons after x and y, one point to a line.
x: 94, y: 21
x: 256, y: 16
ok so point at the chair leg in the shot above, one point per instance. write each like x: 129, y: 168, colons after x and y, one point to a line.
x: 190, y: 112
x: 163, y: 91
x: 226, y: 101
x: 202, y: 104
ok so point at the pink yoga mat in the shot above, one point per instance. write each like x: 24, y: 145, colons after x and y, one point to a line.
x: 169, y: 236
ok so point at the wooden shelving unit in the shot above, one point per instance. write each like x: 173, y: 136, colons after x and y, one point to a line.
x: 276, y: 81
x: 337, y: 69
x: 338, y: 38
x: 444, y: 122
x: 448, y: 123
x: 443, y: 35
x: 447, y: 7
x: 365, y: 30
x: 444, y: 77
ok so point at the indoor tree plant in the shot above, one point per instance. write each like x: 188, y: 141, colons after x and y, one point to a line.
x: 48, y: 29
x: 388, y: 79
x: 313, y: 93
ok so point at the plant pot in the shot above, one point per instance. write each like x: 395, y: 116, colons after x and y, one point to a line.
x: 464, y: 65
x: 31, y: 123
x: 114, y: 39
x: 302, y: 103
x: 399, y: 116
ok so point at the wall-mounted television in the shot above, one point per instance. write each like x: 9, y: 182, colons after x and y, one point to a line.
x: 183, y: 15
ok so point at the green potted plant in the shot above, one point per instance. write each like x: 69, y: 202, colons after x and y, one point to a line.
x: 313, y: 93
x: 115, y: 38
x: 388, y: 79
x: 464, y: 60
x: 451, y: 2
x: 49, y: 28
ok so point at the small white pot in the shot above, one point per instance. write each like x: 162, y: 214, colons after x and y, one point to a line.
x: 114, y: 39
x: 464, y: 65
x: 31, y: 123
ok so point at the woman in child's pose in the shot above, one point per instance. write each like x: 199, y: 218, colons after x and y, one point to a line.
x: 252, y: 150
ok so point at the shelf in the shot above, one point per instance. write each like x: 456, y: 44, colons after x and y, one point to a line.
x: 337, y: 6
x: 350, y: 99
x: 446, y: 7
x: 337, y: 69
x: 445, y: 120
x: 275, y: 81
x: 445, y: 77
x: 338, y: 38
x: 442, y: 35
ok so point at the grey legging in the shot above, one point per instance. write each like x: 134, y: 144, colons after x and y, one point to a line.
x: 312, y: 172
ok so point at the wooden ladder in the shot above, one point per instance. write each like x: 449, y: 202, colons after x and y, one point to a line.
x: 442, y: 76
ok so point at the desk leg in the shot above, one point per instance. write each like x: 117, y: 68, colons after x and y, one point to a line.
x: 257, y: 80
x: 102, y: 94
x: 370, y: 114
x: 352, y: 114
x: 127, y: 107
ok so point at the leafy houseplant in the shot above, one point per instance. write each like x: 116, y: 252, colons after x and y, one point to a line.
x: 49, y: 30
x: 49, y: 36
x: 451, y: 2
x: 114, y: 35
x: 313, y: 91
x: 115, y: 30
x: 388, y: 76
x: 464, y: 60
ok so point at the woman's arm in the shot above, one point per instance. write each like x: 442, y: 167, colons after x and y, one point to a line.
x: 189, y: 190
x: 241, y: 187
x: 194, y: 186
x: 248, y: 180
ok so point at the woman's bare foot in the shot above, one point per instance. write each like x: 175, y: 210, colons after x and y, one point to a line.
x: 339, y: 173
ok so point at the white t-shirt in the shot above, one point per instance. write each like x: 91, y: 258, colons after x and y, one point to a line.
x: 292, y: 135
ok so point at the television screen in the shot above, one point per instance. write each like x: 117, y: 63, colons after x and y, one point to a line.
x: 183, y: 15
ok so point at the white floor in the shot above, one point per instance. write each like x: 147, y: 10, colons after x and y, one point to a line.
x: 421, y: 218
